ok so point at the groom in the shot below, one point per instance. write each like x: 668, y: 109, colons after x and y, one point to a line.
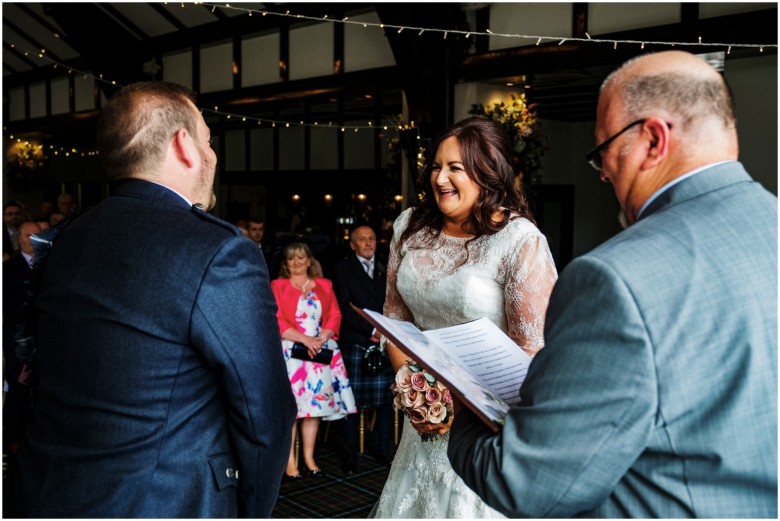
x: 162, y: 390
x: 656, y: 393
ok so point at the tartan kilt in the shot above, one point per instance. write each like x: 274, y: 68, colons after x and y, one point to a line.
x: 369, y: 391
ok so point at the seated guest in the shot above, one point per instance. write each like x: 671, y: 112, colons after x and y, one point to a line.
x: 46, y: 209
x: 12, y: 219
x: 256, y: 230
x: 66, y: 204
x: 360, y: 279
x: 309, y: 314
x: 17, y: 280
x: 56, y: 218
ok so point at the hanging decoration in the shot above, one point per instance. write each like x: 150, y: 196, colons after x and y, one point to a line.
x: 25, y: 164
x: 519, y: 120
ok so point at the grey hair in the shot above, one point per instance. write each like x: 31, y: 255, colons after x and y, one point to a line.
x: 690, y: 96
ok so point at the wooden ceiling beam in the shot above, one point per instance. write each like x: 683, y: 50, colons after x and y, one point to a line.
x: 755, y: 27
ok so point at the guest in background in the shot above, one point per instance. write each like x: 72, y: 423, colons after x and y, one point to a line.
x: 309, y: 314
x: 27, y: 213
x: 45, y: 211
x: 17, y: 287
x: 17, y: 405
x: 656, y: 393
x: 56, y: 218
x: 468, y: 250
x: 66, y: 204
x: 256, y: 229
x: 12, y: 220
x: 360, y: 279
x: 160, y: 379
x: 241, y: 224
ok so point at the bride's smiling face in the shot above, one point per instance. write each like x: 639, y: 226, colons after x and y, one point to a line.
x: 454, y: 191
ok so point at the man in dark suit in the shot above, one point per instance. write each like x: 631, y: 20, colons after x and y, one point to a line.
x: 656, y: 392
x: 162, y: 391
x: 12, y: 219
x: 360, y: 279
x: 17, y: 281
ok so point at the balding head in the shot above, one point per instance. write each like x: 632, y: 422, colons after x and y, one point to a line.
x: 676, y: 114
x: 25, y: 231
x: 362, y: 240
x: 682, y: 88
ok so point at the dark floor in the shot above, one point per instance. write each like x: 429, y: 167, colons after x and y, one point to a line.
x: 335, y: 495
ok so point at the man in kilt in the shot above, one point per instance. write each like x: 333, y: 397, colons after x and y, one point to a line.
x: 360, y: 279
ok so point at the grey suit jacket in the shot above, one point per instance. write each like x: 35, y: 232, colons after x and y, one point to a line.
x: 656, y: 392
x: 163, y: 389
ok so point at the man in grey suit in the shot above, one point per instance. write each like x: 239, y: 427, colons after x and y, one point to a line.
x: 656, y: 392
x: 162, y: 390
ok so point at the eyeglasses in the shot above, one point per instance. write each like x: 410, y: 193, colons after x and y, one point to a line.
x: 594, y: 156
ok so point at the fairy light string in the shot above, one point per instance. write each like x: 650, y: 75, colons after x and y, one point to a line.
x: 421, y: 32
x: 445, y: 32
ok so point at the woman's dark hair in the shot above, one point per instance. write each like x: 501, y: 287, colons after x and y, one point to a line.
x: 487, y: 154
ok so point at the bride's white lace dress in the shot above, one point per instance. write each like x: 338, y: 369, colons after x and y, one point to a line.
x: 506, y: 277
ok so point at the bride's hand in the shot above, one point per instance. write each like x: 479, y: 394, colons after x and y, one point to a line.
x: 432, y: 428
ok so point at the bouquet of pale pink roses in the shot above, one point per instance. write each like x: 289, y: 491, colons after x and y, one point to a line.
x: 422, y: 398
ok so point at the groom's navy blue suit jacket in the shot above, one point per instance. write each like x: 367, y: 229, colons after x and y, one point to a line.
x: 163, y: 391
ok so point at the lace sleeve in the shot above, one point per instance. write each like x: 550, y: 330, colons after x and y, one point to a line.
x: 527, y: 292
x: 394, y: 306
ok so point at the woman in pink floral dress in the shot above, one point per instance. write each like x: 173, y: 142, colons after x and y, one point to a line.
x: 309, y: 314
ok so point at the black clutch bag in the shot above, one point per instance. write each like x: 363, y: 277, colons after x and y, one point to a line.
x: 301, y: 352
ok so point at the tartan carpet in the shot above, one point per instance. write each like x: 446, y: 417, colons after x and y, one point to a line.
x: 334, y: 495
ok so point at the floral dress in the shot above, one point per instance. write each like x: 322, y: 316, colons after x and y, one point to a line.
x: 320, y: 390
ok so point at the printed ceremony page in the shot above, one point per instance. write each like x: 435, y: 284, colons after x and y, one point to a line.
x: 488, y: 353
x: 476, y: 360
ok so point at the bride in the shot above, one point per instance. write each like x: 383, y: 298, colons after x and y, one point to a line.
x: 469, y: 250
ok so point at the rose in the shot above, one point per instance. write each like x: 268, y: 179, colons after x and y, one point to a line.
x: 398, y: 401
x: 433, y: 395
x: 419, y: 382
x: 412, y: 399
x: 403, y: 379
x: 425, y: 400
x: 437, y: 412
x: 417, y: 415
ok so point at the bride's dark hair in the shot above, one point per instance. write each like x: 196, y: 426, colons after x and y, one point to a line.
x: 487, y: 153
